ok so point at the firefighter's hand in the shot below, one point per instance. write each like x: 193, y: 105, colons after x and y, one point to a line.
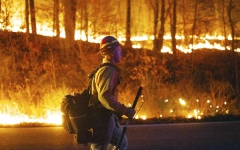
x: 130, y: 112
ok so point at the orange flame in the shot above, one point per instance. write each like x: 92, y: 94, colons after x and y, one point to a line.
x: 13, y: 113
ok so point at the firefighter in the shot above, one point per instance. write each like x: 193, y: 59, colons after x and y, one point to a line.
x: 106, y: 128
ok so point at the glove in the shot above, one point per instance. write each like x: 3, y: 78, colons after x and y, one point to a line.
x: 130, y: 112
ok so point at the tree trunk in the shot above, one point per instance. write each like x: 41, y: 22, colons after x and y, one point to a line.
x: 128, y: 25
x: 224, y: 25
x: 83, y: 27
x: 56, y: 27
x: 173, y: 26
x: 161, y: 31
x: 192, y: 40
x: 33, y: 18
x: 155, y: 25
x: 233, y: 50
x: 69, y: 21
x: 184, y: 18
x: 27, y: 20
x: 173, y: 18
x: 86, y: 19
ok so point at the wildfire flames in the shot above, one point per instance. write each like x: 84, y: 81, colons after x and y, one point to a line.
x: 13, y: 113
x: 203, y: 42
x: 17, y: 109
x: 53, y: 118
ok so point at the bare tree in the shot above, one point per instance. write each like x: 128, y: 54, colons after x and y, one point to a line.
x: 231, y: 23
x: 6, y: 13
x: 83, y: 9
x: 155, y: 24
x: 128, y: 25
x: 56, y: 27
x: 33, y: 17
x: 85, y: 14
x: 27, y: 20
x: 27, y: 16
x: 158, y: 34
x: 224, y: 24
x: 192, y: 39
x: 185, y: 24
x: 173, y: 23
x: 161, y: 29
x: 69, y: 21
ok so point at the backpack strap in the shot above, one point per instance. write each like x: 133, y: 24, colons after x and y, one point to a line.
x: 95, y: 71
x: 102, y: 65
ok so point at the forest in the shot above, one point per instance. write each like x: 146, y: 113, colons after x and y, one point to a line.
x: 38, y: 68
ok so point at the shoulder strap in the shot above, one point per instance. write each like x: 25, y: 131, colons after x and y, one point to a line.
x: 102, y: 65
x: 95, y: 71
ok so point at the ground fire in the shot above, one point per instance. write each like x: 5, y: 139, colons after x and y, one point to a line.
x: 13, y: 110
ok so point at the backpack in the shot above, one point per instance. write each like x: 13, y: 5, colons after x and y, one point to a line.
x: 77, y: 112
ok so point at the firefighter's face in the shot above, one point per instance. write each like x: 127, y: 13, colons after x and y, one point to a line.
x: 117, y: 54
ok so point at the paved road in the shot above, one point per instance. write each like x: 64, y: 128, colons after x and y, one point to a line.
x: 184, y: 136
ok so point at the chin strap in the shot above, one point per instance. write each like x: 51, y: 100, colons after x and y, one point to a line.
x: 125, y: 127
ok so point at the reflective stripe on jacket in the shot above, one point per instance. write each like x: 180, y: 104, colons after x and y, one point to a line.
x: 104, y: 90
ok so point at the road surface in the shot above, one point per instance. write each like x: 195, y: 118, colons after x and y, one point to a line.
x: 182, y: 136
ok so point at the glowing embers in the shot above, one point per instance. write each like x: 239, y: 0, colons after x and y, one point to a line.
x: 11, y: 114
x: 182, y: 102
x: 52, y: 118
x: 143, y: 117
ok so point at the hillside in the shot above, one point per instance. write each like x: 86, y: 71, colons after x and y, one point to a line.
x: 43, y: 64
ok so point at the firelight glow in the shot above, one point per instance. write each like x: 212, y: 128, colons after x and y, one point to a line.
x: 143, y: 117
x: 53, y: 118
x: 44, y: 29
x: 11, y: 114
x: 182, y: 102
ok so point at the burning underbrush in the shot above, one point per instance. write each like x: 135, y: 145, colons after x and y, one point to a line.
x: 33, y: 76
x: 21, y: 108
